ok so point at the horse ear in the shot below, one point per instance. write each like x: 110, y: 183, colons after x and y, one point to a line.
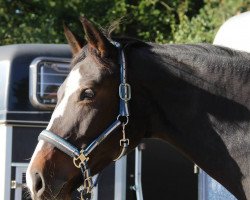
x: 75, y: 44
x: 96, y: 38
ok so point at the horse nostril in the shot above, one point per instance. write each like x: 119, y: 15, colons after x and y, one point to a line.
x: 38, y: 184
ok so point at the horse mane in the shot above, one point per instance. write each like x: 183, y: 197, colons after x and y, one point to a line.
x: 219, y: 70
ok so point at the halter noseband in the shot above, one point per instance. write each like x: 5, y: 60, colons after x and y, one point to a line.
x: 80, y: 157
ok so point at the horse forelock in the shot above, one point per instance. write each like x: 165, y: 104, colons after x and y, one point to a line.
x: 79, y: 57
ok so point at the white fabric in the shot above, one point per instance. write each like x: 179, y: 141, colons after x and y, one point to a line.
x: 235, y: 33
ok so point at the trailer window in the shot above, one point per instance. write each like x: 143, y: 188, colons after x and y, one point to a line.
x: 46, y: 76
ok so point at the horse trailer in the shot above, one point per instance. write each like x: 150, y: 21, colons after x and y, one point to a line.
x: 23, y: 116
x: 30, y: 76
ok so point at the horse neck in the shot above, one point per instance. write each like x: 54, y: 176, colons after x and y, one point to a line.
x: 175, y: 107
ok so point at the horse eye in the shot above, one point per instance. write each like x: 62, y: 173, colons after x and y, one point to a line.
x: 87, y: 94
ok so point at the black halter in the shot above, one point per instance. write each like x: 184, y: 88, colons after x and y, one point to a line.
x: 80, y: 157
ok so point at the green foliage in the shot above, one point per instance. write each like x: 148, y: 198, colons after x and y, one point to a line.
x: 162, y: 21
x: 203, y: 26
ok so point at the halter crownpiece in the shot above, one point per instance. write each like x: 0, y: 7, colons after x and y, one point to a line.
x: 80, y: 157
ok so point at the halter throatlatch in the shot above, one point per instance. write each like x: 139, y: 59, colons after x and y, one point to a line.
x: 80, y: 158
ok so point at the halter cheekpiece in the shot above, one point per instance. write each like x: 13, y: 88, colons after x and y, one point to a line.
x: 80, y: 157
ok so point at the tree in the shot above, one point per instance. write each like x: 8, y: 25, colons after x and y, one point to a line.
x: 163, y: 21
x: 203, y: 26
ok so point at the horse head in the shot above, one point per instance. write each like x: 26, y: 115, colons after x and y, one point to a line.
x: 88, y: 102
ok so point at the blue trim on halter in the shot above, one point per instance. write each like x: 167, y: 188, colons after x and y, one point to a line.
x: 101, y: 137
x: 59, y: 143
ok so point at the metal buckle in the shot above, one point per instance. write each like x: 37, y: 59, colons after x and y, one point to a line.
x: 125, y: 91
x: 124, y: 142
x: 88, y: 184
x: 80, y: 159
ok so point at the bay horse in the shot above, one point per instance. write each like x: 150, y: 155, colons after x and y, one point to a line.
x: 195, y: 97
